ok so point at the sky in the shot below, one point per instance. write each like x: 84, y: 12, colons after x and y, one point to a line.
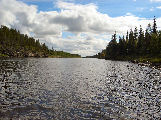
x: 78, y: 26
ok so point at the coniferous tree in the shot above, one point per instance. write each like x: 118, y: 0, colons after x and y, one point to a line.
x: 154, y: 26
x: 131, y: 44
x: 140, y: 41
x: 122, y: 46
x: 147, y: 39
x: 112, y: 47
x: 14, y: 44
x: 135, y: 39
x: 136, y: 44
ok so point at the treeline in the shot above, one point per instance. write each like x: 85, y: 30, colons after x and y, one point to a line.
x: 14, y: 44
x: 136, y: 44
x: 62, y: 54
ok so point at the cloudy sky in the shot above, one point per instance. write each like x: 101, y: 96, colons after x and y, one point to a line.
x: 78, y: 26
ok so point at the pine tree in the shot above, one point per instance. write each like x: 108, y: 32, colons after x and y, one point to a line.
x: 154, y: 26
x: 140, y: 41
x: 147, y: 39
x: 112, y: 48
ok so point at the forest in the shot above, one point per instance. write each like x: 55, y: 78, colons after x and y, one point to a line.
x: 137, y: 45
x: 15, y: 44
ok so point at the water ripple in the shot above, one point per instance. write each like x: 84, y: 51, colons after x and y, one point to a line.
x: 78, y: 89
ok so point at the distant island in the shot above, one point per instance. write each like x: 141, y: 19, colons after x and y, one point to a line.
x: 15, y: 44
x: 136, y: 46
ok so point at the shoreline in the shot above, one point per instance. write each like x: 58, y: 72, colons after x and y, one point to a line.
x: 145, y: 62
x: 154, y: 65
x: 37, y: 57
x: 149, y: 61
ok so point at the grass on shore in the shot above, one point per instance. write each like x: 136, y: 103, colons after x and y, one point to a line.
x: 151, y: 60
x: 3, y: 55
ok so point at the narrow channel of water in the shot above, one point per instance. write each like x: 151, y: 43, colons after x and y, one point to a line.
x: 49, y: 88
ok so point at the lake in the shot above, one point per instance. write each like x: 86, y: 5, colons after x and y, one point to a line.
x: 46, y: 88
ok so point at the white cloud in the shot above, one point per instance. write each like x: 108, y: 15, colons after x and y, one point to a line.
x: 92, y: 29
x: 36, y: 0
x: 86, y: 18
x: 159, y: 7
x: 155, y: 0
x: 152, y: 9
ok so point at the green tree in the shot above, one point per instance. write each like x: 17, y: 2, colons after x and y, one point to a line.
x: 154, y: 26
x: 140, y: 41
x: 112, y: 48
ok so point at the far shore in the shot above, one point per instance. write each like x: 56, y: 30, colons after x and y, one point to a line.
x: 149, y: 62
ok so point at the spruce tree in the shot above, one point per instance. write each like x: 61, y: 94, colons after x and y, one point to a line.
x: 154, y: 25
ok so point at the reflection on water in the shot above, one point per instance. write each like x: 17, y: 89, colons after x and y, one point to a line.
x: 78, y: 89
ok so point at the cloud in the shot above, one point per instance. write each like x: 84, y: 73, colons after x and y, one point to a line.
x: 155, y: 0
x: 36, y: 0
x: 85, y: 18
x: 159, y: 7
x: 92, y: 30
x: 84, y: 45
x: 152, y: 9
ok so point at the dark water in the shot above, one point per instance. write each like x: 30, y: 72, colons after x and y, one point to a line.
x: 78, y: 89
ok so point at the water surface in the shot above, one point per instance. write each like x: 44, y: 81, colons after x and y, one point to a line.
x: 46, y: 88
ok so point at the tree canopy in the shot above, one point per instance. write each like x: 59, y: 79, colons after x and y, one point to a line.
x: 137, y: 43
x: 15, y: 44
